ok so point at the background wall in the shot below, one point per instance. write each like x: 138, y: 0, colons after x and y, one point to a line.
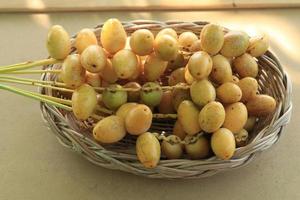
x: 119, y: 5
x: 34, y: 166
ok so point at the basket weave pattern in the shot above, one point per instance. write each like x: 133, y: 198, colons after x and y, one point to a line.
x: 77, y: 135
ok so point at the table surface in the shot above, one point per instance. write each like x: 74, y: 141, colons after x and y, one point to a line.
x: 33, y: 165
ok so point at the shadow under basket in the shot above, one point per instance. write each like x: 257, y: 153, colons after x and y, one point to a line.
x: 77, y: 135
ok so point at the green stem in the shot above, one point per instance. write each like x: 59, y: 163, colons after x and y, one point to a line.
x: 56, y: 99
x: 17, y: 64
x: 35, y: 84
x: 33, y: 72
x: 184, y: 87
x: 163, y: 116
x: 104, y: 110
x: 100, y: 89
x: 33, y: 96
x: 28, y: 65
x: 34, y: 81
x: 97, y: 117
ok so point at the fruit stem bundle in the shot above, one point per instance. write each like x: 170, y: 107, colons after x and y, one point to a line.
x: 104, y: 110
x: 27, y: 65
x: 33, y: 83
x: 50, y: 84
x: 66, y: 104
x: 97, y: 117
x: 185, y: 87
x: 160, y: 115
x: 33, y: 71
x: 59, y: 102
x: 39, y: 97
x: 34, y: 80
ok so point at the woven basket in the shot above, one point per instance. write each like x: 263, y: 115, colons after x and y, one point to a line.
x: 77, y: 135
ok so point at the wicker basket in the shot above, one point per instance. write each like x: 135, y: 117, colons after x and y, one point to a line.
x: 77, y: 135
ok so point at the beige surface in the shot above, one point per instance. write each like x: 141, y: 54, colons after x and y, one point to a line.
x: 33, y: 165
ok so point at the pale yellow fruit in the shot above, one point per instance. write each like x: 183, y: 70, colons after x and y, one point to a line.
x: 108, y: 73
x: 211, y: 117
x: 246, y: 66
x: 85, y: 38
x: 113, y: 36
x: 166, y: 47
x: 196, y: 46
x: 178, y: 62
x: 197, y: 148
x: 236, y: 116
x: 249, y: 87
x: 230, y: 59
x: 141, y: 42
x: 172, y: 149
x: 189, y: 79
x: 179, y: 95
x: 148, y: 150
x: 154, y: 67
x: 58, y: 42
x: 235, y: 44
x: 168, y: 31
x: 93, y: 79
x: 250, y: 123
x: 200, y: 65
x: 133, y: 96
x: 186, y: 40
x: 177, y: 76
x: 59, y: 78
x: 234, y: 79
x: 221, y: 70
x: 72, y: 73
x: 109, y: 130
x: 125, y: 63
x: 165, y: 106
x: 138, y: 120
x: 178, y: 130
x: 202, y: 92
x: 136, y: 74
x: 212, y: 38
x: 261, y: 105
x: 84, y: 101
x: 139, y: 70
x: 223, y: 143
x: 188, y: 117
x: 241, y: 138
x: 93, y: 59
x: 124, y: 109
x: 229, y: 93
x: 258, y: 46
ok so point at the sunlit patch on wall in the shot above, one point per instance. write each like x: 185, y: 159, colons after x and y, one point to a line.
x: 41, y: 19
